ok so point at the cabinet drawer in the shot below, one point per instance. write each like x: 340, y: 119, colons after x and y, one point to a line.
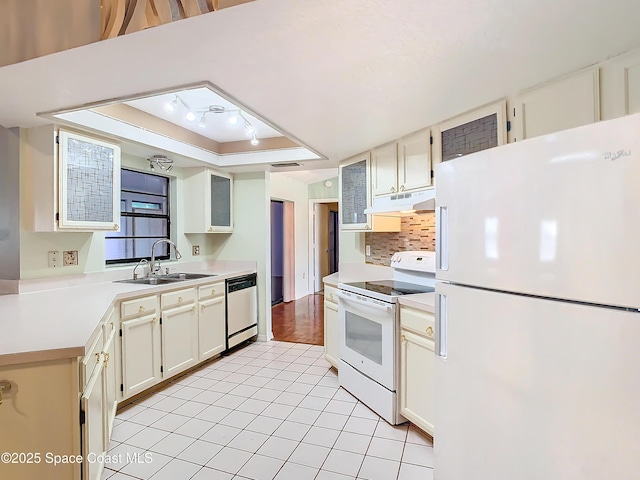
x: 178, y: 298
x: 331, y: 294
x: 417, y: 321
x: 138, y: 307
x: 90, y: 360
x: 210, y: 291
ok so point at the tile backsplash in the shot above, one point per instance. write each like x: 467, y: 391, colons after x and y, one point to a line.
x: 417, y: 233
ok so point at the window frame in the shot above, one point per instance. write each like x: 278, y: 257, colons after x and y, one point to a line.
x: 123, y: 215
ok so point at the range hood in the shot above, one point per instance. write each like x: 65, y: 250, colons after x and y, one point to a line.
x: 404, y: 204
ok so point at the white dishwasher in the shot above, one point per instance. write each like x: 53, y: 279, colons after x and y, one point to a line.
x: 242, y: 309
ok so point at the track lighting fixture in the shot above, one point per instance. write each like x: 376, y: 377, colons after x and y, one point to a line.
x: 234, y: 116
x: 171, y: 106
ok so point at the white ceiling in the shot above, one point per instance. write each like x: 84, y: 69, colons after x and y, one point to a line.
x: 340, y: 76
x: 310, y: 176
x: 198, y: 100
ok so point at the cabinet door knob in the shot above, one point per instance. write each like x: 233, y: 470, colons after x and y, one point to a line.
x: 213, y: 292
x: 97, y: 357
x: 393, y: 189
x: 402, y: 188
x: 403, y: 338
x: 155, y: 320
x: 179, y: 299
x: 106, y: 358
x: 141, y: 308
x: 113, y: 325
x: 116, y: 226
x: 429, y: 332
x: 193, y: 309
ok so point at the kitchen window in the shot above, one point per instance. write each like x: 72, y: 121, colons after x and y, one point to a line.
x: 144, y: 210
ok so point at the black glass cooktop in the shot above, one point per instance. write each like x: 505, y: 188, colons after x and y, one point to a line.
x: 392, y: 288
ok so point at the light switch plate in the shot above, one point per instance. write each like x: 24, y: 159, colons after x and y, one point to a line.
x: 69, y: 257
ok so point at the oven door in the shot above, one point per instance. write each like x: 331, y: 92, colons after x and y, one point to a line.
x: 367, y: 336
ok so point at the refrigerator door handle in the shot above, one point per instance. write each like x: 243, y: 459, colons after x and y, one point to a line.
x: 441, y: 325
x: 442, y: 238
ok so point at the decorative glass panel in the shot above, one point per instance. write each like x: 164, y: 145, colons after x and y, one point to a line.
x: 220, y: 201
x: 354, y: 193
x: 470, y: 137
x: 89, y: 175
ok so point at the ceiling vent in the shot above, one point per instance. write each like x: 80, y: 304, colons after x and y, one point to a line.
x: 289, y: 164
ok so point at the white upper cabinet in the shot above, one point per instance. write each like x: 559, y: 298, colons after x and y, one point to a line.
x: 402, y: 166
x: 620, y: 86
x: 568, y: 103
x: 75, y: 181
x: 384, y: 169
x: 414, y: 161
x: 208, y: 201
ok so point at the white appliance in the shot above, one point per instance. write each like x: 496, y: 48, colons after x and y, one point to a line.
x: 242, y: 309
x: 537, y: 325
x: 368, y: 326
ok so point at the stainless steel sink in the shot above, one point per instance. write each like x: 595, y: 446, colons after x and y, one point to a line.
x: 163, y: 279
x: 188, y: 276
x: 150, y: 280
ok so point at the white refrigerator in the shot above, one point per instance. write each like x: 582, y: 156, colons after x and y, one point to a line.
x: 537, y: 322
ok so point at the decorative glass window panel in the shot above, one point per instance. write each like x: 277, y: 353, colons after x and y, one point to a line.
x: 220, y: 201
x: 470, y: 137
x: 89, y: 183
x: 145, y: 218
x: 354, y: 193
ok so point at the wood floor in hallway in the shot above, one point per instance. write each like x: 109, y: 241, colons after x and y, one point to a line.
x: 300, y: 321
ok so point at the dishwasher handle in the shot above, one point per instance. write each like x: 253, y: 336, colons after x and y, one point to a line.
x: 240, y: 283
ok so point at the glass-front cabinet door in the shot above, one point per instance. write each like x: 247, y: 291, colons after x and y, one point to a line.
x: 89, y: 183
x: 355, y: 194
x: 220, y: 203
x: 208, y: 201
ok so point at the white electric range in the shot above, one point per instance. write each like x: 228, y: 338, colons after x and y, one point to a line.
x: 369, y: 328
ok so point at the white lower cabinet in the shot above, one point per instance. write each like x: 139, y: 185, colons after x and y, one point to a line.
x: 140, y: 354
x: 417, y: 367
x: 211, y: 327
x: 92, y: 421
x: 417, y: 380
x: 331, y: 340
x: 110, y: 380
x: 179, y: 339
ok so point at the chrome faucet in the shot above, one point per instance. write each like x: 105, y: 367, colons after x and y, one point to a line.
x: 152, y: 265
x: 135, y: 275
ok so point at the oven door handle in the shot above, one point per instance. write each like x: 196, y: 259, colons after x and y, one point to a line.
x: 371, y: 305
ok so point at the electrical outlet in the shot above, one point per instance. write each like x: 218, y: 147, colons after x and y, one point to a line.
x: 54, y: 259
x: 195, y: 250
x: 69, y: 257
x: 367, y: 250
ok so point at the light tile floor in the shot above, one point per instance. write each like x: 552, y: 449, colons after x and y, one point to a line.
x: 271, y: 410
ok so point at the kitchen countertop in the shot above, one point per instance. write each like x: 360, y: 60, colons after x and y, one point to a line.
x: 421, y: 301
x: 59, y: 322
x: 358, y: 272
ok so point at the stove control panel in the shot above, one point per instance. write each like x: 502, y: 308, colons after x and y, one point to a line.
x: 420, y: 260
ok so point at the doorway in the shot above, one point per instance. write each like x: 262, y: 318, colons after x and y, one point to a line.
x: 282, y: 252
x: 324, y: 243
x: 277, y: 252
